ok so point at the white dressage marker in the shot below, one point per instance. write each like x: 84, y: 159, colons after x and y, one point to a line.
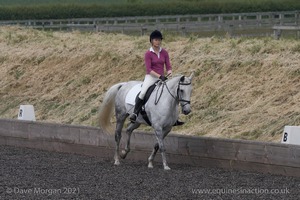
x: 26, y: 112
x: 291, y: 135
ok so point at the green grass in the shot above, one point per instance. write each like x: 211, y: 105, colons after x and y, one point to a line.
x: 55, y: 9
x: 47, y: 2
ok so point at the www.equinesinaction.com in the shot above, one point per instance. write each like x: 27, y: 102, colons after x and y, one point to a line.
x: 240, y: 191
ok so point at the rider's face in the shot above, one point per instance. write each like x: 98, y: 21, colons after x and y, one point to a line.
x: 156, y: 42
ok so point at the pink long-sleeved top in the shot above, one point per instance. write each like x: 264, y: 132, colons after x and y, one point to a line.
x: 156, y: 62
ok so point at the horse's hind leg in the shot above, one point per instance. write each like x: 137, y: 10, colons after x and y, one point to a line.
x: 118, y: 136
x: 129, y: 130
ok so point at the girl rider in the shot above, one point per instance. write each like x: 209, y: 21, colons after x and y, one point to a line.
x: 156, y: 58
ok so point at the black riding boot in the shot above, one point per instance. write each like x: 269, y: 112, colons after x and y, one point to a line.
x: 178, y: 123
x: 137, y: 109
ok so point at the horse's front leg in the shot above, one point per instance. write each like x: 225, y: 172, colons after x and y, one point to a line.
x: 151, y: 158
x: 155, y: 149
x: 129, y: 131
x: 160, y: 135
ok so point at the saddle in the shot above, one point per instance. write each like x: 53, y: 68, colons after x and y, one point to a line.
x: 134, y: 93
x: 146, y: 98
x: 148, y: 93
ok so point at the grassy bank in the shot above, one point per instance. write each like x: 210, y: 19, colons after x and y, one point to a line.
x: 243, y: 88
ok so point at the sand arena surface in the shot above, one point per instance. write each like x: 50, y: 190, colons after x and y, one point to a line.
x: 34, y: 174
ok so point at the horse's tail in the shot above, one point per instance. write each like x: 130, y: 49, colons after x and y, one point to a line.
x: 106, y: 108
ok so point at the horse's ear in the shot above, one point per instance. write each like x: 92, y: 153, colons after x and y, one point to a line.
x: 191, y: 76
x: 182, y: 79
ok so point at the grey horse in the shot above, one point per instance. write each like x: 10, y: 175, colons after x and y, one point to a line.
x: 161, y: 108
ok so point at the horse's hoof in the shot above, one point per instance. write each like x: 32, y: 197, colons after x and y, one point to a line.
x: 167, y: 168
x: 117, y: 162
x: 123, y: 154
x: 150, y: 165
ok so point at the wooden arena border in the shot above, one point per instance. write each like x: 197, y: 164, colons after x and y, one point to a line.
x: 266, y: 157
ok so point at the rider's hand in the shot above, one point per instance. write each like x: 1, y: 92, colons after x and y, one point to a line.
x: 163, y: 78
x: 169, y: 73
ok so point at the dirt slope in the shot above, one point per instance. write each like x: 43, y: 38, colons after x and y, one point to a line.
x: 244, y: 88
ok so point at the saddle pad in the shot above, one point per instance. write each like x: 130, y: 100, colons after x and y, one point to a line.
x: 131, y: 95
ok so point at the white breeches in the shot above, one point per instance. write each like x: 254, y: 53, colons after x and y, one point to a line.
x: 148, y: 81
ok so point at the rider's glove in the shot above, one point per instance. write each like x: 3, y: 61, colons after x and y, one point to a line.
x: 163, y: 78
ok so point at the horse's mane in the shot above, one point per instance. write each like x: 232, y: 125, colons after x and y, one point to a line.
x: 176, y: 77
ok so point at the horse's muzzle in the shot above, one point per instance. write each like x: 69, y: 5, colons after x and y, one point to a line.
x: 186, y: 109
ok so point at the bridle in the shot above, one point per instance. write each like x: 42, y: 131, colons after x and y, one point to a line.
x: 177, y: 97
x: 185, y: 102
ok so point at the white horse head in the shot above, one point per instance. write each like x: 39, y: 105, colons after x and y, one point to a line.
x: 185, y: 92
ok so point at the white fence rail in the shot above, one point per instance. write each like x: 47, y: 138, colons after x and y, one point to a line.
x: 229, y: 23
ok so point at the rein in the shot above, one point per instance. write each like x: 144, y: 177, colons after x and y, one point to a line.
x: 157, y: 99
